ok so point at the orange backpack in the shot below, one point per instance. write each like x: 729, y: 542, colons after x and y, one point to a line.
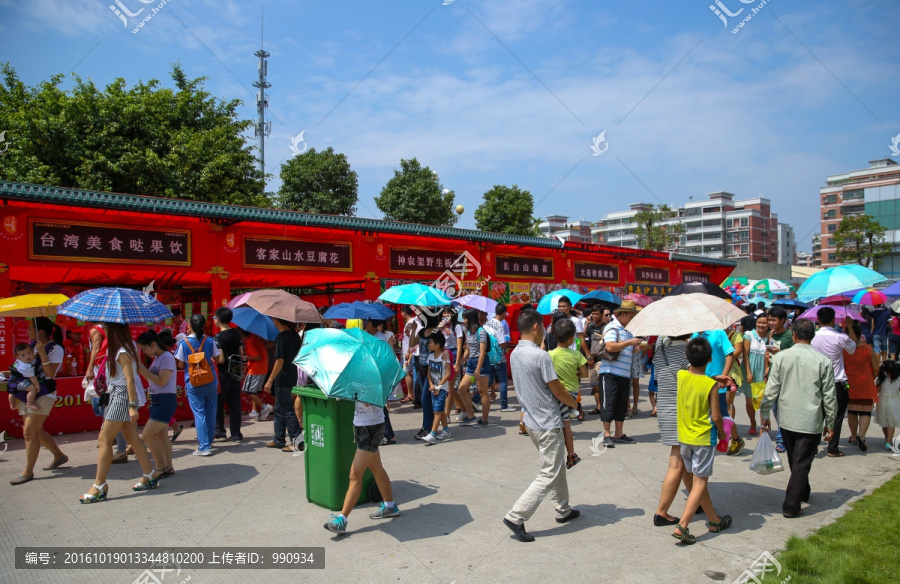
x: 198, y: 367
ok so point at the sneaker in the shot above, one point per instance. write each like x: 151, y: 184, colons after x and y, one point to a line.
x: 421, y: 434
x: 384, y: 512
x: 429, y: 438
x: 267, y: 409
x: 624, y: 439
x: 481, y: 424
x: 461, y: 418
x: 468, y: 421
x: 220, y: 438
x: 518, y: 531
x: 337, y: 525
x: 508, y: 409
x: 202, y: 453
x: 735, y: 447
x: 609, y: 442
x: 237, y: 439
x: 573, y: 514
x: 573, y: 415
x: 477, y: 407
x: 445, y: 434
x: 253, y: 414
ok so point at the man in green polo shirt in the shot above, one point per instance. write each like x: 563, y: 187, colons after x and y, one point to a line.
x: 780, y: 335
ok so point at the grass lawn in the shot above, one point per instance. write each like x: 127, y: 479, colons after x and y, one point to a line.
x: 861, y: 547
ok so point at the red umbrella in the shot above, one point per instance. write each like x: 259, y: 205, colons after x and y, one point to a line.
x: 639, y: 299
x: 839, y: 299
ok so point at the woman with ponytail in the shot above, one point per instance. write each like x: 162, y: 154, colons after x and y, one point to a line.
x: 121, y: 412
x: 163, y: 402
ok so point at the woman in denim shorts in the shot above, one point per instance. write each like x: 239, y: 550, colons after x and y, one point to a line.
x: 163, y: 397
x: 478, y: 367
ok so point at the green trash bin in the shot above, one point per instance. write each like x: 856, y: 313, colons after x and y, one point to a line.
x: 330, y: 448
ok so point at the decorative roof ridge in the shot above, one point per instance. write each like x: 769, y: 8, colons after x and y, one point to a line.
x: 147, y: 203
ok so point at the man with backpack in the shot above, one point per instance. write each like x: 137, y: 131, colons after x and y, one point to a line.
x: 229, y: 342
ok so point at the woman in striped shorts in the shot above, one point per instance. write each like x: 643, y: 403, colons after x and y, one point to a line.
x: 121, y: 412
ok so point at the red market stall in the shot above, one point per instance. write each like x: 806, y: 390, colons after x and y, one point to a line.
x: 198, y: 255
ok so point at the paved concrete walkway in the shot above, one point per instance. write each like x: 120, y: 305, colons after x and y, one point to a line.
x: 453, y: 497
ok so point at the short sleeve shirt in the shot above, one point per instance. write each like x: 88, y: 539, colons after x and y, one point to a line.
x: 163, y: 362
x: 616, y: 333
x: 786, y: 339
x: 474, y: 340
x: 436, y: 367
x: 880, y: 320
x: 495, y: 328
x: 532, y: 370
x: 209, y: 347
x: 721, y: 348
x: 229, y: 343
x: 567, y: 362
x: 287, y: 345
x: 256, y: 347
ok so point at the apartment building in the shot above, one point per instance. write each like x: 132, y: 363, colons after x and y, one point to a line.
x: 718, y: 227
x: 559, y: 226
x: 874, y: 191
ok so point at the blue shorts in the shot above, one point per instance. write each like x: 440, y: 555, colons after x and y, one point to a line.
x: 653, y: 387
x: 880, y: 343
x: 472, y: 363
x: 439, y: 401
x: 162, y: 407
x: 723, y: 405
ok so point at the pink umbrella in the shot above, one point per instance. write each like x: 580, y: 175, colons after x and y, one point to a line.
x: 840, y: 313
x: 639, y: 299
x: 238, y: 300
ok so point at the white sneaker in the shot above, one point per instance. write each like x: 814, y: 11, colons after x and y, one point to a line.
x: 430, y: 438
x: 460, y: 417
x: 253, y: 414
x: 267, y: 409
x: 445, y: 434
x: 202, y: 453
x: 509, y: 409
x: 476, y: 407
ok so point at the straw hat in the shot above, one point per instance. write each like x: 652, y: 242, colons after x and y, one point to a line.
x: 627, y: 306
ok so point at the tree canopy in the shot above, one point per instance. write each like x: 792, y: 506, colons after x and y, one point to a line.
x: 507, y: 210
x: 650, y: 231
x: 176, y: 142
x: 861, y: 239
x: 415, y: 194
x: 319, y: 182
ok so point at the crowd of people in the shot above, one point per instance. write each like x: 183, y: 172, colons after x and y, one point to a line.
x: 809, y: 375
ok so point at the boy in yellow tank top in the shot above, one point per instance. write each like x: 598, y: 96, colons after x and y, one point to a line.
x: 699, y: 426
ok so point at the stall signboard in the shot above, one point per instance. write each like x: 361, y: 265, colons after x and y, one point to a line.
x: 524, y: 267
x: 98, y: 242
x: 651, y: 275
x: 287, y: 253
x: 651, y: 290
x: 423, y: 261
x: 596, y: 272
x: 519, y: 292
x: 694, y: 277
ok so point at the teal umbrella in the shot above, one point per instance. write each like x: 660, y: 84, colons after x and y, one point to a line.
x: 549, y: 302
x: 350, y: 364
x: 838, y: 280
x: 415, y: 294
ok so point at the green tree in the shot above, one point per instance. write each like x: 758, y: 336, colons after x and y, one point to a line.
x: 650, y: 231
x: 415, y: 195
x: 861, y: 239
x: 506, y: 210
x: 168, y: 142
x: 319, y: 182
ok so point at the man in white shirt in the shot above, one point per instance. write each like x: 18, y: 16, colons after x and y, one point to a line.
x: 832, y: 344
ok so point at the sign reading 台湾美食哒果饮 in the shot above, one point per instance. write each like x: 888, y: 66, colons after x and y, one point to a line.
x: 285, y: 253
x: 106, y: 243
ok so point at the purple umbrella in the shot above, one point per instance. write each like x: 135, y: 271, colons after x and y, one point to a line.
x: 481, y: 303
x: 840, y: 313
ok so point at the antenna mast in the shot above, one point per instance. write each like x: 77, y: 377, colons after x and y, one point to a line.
x: 262, y: 128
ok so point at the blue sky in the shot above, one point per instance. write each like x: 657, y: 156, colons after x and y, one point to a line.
x: 492, y: 92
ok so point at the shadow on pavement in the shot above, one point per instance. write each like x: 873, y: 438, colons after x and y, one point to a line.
x: 422, y: 522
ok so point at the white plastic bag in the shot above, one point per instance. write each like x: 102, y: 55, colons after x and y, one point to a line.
x: 765, y: 458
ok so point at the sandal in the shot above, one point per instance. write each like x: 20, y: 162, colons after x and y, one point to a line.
x: 523, y: 431
x: 167, y: 472
x: 752, y: 431
x: 177, y: 432
x: 835, y: 454
x: 572, y: 460
x: 153, y: 482
x: 594, y: 412
x: 57, y: 463
x: 100, y: 495
x: 723, y: 524
x: 685, y: 536
x: 852, y: 440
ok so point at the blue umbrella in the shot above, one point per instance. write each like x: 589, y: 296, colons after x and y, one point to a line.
x: 253, y: 321
x: 790, y: 303
x: 608, y: 299
x: 360, y: 310
x: 838, y: 280
x: 350, y: 364
x: 121, y: 305
x: 550, y: 301
x: 892, y: 290
x: 415, y: 294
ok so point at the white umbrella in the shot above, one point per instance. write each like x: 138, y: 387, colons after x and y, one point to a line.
x: 684, y: 314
